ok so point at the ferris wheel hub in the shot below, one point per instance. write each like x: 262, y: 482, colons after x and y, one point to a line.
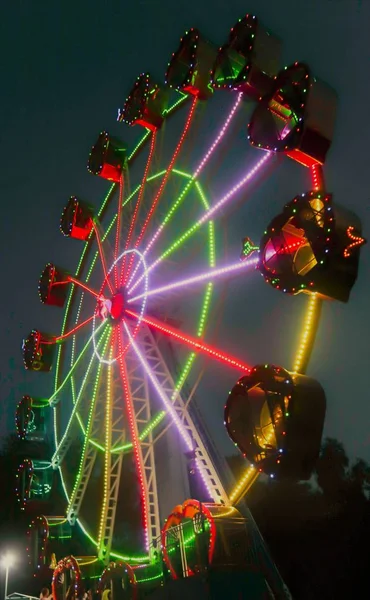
x: 112, y: 308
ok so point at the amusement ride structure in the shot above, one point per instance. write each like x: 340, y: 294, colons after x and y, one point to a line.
x: 140, y: 309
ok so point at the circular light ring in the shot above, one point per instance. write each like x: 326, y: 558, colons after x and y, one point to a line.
x: 287, y: 101
x: 317, y: 225
x: 142, y: 308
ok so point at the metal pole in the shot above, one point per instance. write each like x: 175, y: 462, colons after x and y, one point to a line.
x: 6, y: 581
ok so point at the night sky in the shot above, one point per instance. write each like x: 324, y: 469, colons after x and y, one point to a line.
x: 65, y: 69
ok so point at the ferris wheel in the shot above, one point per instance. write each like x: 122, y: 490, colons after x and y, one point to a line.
x: 159, y: 266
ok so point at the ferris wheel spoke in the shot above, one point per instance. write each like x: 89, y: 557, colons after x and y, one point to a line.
x: 139, y: 201
x: 139, y: 462
x: 67, y: 438
x: 203, y: 162
x: 54, y: 399
x: 265, y: 160
x: 66, y: 335
x: 83, y: 286
x: 102, y: 257
x: 118, y: 229
x: 89, y: 451
x: 164, y: 181
x: 208, y: 276
x: 192, y: 180
x: 114, y: 425
x: 176, y: 408
x: 191, y: 342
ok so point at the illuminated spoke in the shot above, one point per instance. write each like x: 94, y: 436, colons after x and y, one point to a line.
x: 62, y: 337
x: 53, y: 397
x: 139, y: 199
x: 164, y: 181
x: 76, y: 406
x: 102, y: 258
x: 192, y: 342
x: 196, y: 174
x: 83, y: 286
x: 210, y: 275
x: 118, y: 229
x: 135, y: 440
x: 209, y: 213
x: 107, y: 446
x: 166, y: 401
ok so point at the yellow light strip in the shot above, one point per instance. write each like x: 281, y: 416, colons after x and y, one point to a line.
x: 308, y: 334
x: 108, y: 439
x: 243, y: 485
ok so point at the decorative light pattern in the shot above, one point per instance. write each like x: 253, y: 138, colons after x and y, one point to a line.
x: 207, y: 276
x: 356, y: 242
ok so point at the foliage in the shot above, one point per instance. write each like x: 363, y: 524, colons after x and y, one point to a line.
x: 317, y: 530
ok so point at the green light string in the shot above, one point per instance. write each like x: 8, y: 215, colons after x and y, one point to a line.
x: 82, y: 353
x: 77, y: 400
x: 90, y: 419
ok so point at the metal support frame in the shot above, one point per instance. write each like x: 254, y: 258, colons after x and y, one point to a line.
x: 154, y: 358
x: 139, y: 389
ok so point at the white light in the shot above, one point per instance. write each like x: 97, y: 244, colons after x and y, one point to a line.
x: 8, y: 560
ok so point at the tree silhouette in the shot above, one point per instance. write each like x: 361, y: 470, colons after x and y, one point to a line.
x: 317, y: 530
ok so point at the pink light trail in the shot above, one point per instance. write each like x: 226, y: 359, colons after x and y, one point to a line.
x: 197, y: 172
x: 166, y: 401
x: 209, y: 213
x: 207, y: 276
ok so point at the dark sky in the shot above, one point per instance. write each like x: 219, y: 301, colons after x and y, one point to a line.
x: 65, y: 69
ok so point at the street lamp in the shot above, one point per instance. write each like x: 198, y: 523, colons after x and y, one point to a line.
x: 7, y: 561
